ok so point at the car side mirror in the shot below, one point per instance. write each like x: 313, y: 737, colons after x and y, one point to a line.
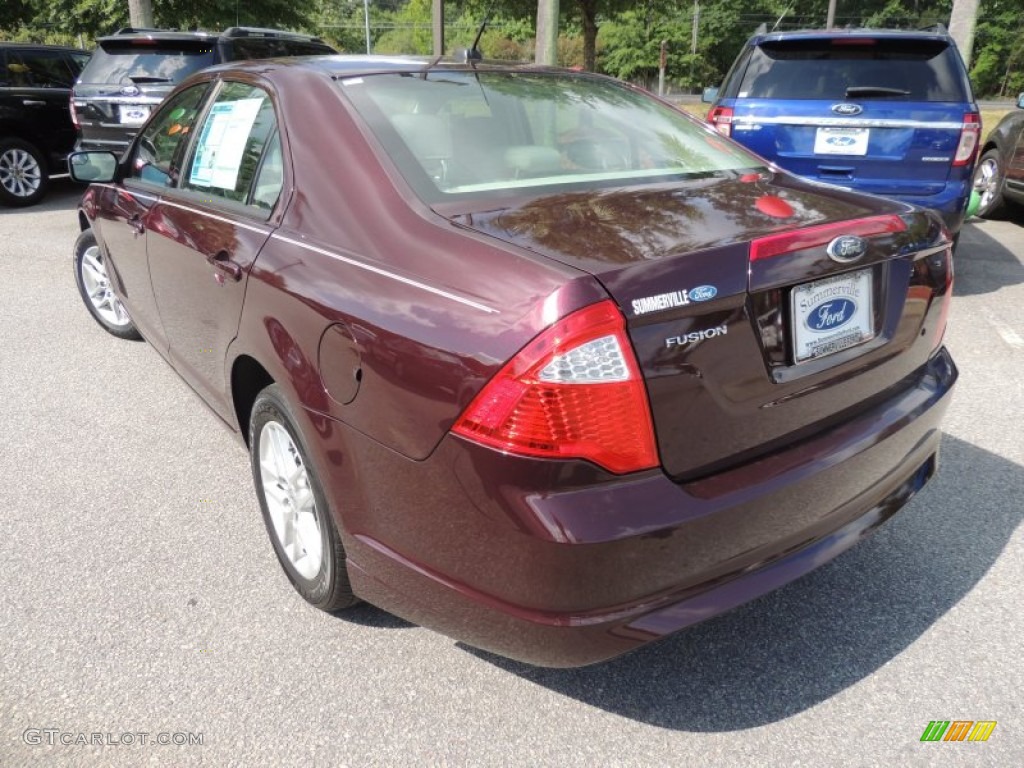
x: 1020, y: 101
x: 709, y: 95
x: 96, y: 165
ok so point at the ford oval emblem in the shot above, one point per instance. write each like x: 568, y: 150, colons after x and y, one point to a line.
x: 847, y: 110
x: 831, y: 314
x: 703, y: 293
x: 840, y: 141
x: 130, y: 90
x: 846, y: 248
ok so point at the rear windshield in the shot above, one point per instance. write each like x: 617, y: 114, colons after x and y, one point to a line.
x: 131, y: 61
x: 875, y: 68
x: 458, y: 133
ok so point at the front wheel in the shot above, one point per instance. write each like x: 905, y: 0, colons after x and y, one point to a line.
x: 94, y: 286
x: 294, y: 507
x: 988, y: 183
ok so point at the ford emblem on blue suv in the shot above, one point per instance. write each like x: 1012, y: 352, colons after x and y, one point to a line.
x: 886, y: 112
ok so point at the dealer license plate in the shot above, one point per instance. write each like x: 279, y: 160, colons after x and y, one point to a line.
x: 132, y: 114
x: 841, y: 141
x: 832, y: 314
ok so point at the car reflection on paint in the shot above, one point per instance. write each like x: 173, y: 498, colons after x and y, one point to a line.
x: 516, y: 352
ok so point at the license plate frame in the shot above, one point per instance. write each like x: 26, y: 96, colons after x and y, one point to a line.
x: 834, y: 140
x: 133, y: 114
x: 832, y: 314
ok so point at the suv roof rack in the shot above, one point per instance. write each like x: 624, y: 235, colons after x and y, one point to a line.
x: 133, y: 30
x: 264, y: 32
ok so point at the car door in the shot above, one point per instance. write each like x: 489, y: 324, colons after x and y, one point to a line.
x: 1015, y: 166
x: 122, y: 221
x: 205, y: 235
x: 38, y: 83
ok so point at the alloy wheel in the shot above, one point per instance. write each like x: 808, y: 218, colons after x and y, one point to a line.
x: 97, y: 288
x: 290, y: 502
x: 20, y: 173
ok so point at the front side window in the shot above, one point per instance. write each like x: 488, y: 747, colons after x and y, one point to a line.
x: 231, y: 144
x: 158, y: 152
x: 454, y: 133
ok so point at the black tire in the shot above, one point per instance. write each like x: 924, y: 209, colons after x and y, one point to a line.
x: 24, y: 177
x: 989, y: 177
x: 327, y: 587
x: 94, y: 288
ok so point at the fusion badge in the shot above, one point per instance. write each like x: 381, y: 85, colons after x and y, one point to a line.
x: 694, y: 336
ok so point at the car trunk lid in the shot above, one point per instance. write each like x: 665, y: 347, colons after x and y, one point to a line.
x: 711, y: 285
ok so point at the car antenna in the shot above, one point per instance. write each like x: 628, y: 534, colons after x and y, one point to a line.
x: 474, y: 54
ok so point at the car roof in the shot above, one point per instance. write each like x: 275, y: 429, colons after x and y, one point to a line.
x: 232, y: 33
x: 828, y: 34
x: 354, y: 65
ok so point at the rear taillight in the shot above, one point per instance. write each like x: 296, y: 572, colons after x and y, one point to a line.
x: 575, y: 391
x: 74, y: 115
x: 969, y: 135
x: 946, y: 298
x: 721, y: 119
x: 810, y: 237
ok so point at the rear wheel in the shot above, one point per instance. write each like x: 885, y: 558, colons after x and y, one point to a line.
x: 94, y: 287
x: 295, y: 510
x: 23, y: 176
x: 988, y: 183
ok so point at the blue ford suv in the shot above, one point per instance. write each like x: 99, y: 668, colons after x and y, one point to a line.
x: 881, y: 111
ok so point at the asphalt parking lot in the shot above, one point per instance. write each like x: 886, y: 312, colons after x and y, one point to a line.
x: 140, y: 594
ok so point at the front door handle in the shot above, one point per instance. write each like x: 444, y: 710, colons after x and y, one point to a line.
x: 33, y: 103
x: 222, y: 262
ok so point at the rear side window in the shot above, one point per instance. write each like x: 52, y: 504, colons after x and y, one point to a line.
x: 38, y: 69
x: 140, y: 61
x: 842, y: 68
x: 269, y: 48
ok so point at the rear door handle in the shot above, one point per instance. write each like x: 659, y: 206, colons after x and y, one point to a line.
x: 223, y: 263
x: 33, y: 103
x: 135, y: 222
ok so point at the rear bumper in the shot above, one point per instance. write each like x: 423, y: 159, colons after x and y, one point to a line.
x: 950, y: 203
x: 558, y: 564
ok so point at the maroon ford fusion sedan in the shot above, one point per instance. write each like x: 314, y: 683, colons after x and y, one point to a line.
x: 523, y: 355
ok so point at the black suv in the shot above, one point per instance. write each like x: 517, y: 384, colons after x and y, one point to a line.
x: 131, y: 72
x: 36, y: 132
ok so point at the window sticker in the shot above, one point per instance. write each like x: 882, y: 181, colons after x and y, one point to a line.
x: 222, y: 143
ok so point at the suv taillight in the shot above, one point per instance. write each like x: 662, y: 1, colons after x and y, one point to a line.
x: 721, y: 119
x: 575, y: 391
x: 969, y: 135
x: 74, y: 115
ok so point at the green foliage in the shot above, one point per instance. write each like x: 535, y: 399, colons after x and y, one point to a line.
x: 622, y: 36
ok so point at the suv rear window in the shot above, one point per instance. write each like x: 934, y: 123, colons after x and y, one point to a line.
x: 143, y: 61
x: 841, y: 68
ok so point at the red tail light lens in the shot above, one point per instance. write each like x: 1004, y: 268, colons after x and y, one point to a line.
x: 969, y: 136
x: 575, y: 391
x: 721, y: 119
x: 810, y: 237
